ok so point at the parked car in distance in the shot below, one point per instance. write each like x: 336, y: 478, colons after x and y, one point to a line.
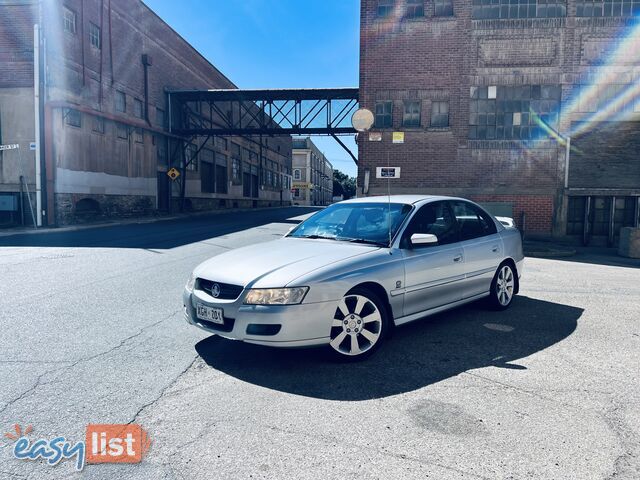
x: 348, y: 274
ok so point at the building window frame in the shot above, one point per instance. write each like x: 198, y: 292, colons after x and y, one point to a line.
x: 443, y: 8
x: 120, y: 100
x: 69, y: 20
x: 411, y: 114
x: 414, y: 9
x: 95, y: 36
x: 440, y: 114
x: 72, y: 117
x: 385, y: 8
x: 122, y: 131
x: 384, y: 114
x: 138, y: 108
x: 514, y: 9
x: 99, y: 125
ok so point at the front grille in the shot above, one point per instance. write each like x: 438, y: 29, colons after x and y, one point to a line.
x: 227, y: 291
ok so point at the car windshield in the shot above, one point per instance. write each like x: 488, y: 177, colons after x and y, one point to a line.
x: 366, y: 223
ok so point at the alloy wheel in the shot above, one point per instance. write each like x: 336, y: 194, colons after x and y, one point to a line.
x: 505, y: 285
x: 356, y: 327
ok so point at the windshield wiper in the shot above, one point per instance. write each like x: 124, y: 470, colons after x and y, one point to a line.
x: 314, y: 237
x: 366, y: 241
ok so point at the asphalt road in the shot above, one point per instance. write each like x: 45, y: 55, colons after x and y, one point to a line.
x: 92, y: 332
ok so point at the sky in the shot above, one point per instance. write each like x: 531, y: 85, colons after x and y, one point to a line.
x: 276, y: 44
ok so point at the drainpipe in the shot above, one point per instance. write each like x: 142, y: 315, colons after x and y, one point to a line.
x: 36, y: 111
x: 567, y: 153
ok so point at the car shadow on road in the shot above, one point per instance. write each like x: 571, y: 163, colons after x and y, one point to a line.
x: 418, y: 354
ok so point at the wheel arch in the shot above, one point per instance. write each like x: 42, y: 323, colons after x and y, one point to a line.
x: 381, y: 293
x: 512, y: 263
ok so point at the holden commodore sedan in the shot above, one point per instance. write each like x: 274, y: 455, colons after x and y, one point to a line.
x: 351, y: 272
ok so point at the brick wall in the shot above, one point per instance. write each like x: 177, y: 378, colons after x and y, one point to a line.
x: 16, y: 44
x: 440, y: 58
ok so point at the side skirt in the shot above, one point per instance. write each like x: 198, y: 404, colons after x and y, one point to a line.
x: 441, y: 308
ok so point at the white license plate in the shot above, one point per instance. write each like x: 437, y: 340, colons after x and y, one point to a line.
x: 215, y: 315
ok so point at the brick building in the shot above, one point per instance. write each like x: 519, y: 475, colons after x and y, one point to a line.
x: 486, y: 92
x: 103, y: 144
x: 312, y: 174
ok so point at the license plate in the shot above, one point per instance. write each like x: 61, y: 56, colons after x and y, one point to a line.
x: 211, y: 314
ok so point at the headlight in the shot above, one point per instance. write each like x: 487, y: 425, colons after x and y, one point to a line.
x: 276, y: 296
x: 191, y: 283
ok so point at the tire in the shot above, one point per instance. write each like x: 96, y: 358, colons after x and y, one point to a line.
x: 360, y: 324
x: 503, y: 287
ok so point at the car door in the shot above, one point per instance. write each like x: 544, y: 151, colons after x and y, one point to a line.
x: 481, y: 244
x: 433, y: 273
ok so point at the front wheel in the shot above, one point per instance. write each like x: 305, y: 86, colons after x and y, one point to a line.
x: 359, y: 325
x: 503, y: 287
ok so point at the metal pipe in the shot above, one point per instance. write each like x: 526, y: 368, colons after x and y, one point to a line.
x: 567, y: 153
x: 36, y: 109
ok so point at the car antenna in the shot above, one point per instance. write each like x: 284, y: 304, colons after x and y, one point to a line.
x: 389, y: 197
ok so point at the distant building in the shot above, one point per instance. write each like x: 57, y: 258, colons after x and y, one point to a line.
x: 481, y: 90
x: 312, y: 174
x: 104, y: 148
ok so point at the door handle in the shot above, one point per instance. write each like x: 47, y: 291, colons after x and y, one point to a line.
x: 457, y: 258
x: 495, y: 248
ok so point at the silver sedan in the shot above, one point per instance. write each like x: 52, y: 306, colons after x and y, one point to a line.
x: 351, y: 272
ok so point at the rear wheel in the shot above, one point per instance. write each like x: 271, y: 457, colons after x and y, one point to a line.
x: 503, y: 287
x: 359, y: 325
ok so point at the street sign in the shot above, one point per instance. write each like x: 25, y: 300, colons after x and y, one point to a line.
x: 387, y: 172
x: 375, y: 136
x: 398, y: 137
x: 32, y: 146
x: 14, y: 146
x: 173, y: 173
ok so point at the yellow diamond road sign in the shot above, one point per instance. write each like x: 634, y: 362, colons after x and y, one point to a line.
x: 173, y: 173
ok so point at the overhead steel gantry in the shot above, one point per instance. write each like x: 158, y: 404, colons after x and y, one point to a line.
x: 325, y: 111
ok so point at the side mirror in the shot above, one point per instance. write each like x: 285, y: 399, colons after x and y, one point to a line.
x: 418, y: 239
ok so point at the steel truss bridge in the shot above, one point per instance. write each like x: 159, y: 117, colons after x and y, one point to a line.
x: 328, y: 111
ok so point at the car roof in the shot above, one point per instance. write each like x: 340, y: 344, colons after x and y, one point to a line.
x: 410, y: 199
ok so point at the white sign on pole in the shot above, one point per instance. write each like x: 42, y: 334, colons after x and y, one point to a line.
x: 387, y: 172
x: 15, y: 146
x: 32, y: 146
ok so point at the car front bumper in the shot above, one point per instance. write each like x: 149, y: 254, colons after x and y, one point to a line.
x: 302, y: 325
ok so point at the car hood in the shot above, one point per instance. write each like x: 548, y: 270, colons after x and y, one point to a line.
x: 276, y: 263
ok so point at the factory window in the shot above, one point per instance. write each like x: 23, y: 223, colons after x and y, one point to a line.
x: 384, y: 117
x: 237, y: 172
x: 121, y: 101
x: 411, y: 117
x: 137, y: 108
x: 415, y: 8
x: 98, y: 124
x: 518, y: 112
x: 160, y: 117
x: 207, y: 175
x: 235, y: 150
x: 486, y: 9
x: 385, y: 7
x: 191, y: 158
x: 138, y: 135
x: 440, y: 114
x: 607, y: 8
x: 575, y: 215
x: 296, y: 174
x: 69, y: 20
x: 221, y: 143
x: 443, y: 8
x: 72, y: 117
x: 94, y: 36
x: 221, y: 173
x: 122, y: 131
